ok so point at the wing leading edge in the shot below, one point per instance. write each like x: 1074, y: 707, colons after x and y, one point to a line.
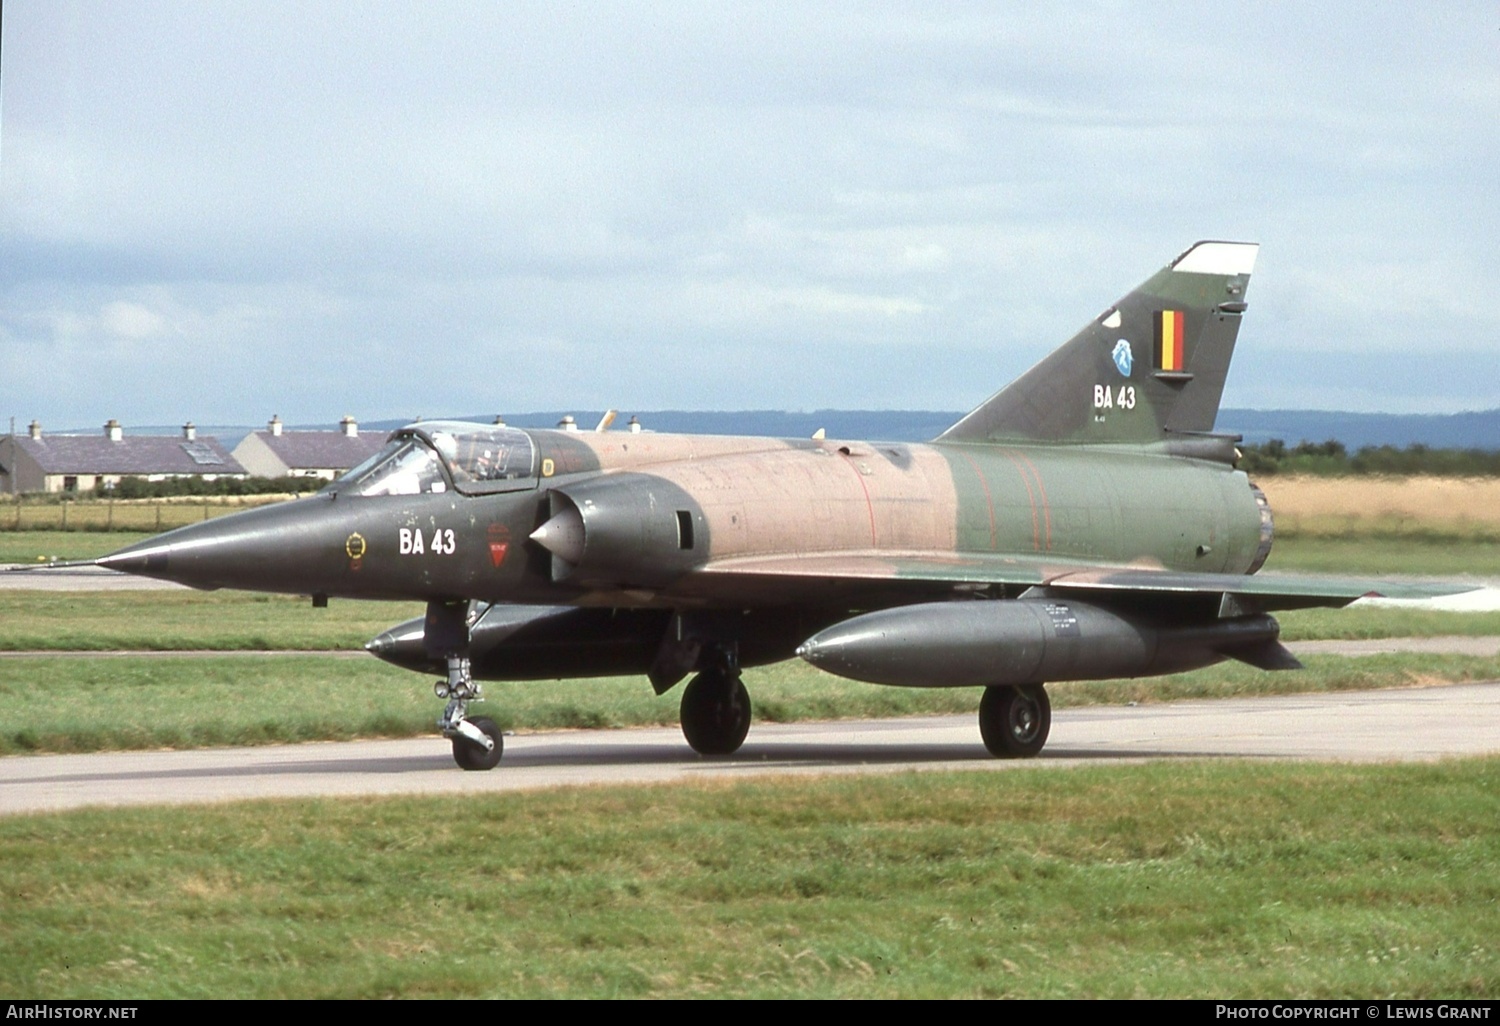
x: 1234, y: 594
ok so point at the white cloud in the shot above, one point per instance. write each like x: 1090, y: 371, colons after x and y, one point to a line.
x: 306, y: 198
x: 130, y: 321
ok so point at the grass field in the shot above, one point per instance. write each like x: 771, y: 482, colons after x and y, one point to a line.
x: 1178, y: 879
x: 1181, y: 879
x: 185, y: 619
x: 44, y: 546
x: 235, y: 693
x: 239, y: 620
x: 73, y: 703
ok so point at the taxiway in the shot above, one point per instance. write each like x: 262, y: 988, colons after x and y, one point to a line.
x: 1376, y: 726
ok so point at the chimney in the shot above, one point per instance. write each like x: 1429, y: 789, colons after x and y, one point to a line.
x: 189, y: 432
x: 349, y: 426
x: 568, y: 423
x: 35, y: 430
x: 113, y: 431
x: 275, y: 424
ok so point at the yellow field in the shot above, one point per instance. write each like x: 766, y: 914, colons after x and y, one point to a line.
x: 1341, y: 506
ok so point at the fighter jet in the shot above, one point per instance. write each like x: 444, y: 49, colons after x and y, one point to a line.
x: 1085, y: 522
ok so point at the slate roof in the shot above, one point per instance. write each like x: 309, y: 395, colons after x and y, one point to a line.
x: 142, y: 454
x: 321, y: 450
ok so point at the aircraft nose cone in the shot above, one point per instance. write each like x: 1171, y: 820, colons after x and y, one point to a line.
x: 147, y: 559
x: 140, y: 561
x: 288, y: 547
x: 380, y: 644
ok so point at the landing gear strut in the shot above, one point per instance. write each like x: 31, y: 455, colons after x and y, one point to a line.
x: 1015, y: 720
x: 477, y: 743
x: 716, y: 708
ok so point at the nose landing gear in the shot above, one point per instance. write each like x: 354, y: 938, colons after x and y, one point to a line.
x: 477, y: 743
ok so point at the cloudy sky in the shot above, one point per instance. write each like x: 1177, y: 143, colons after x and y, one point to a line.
x: 227, y: 210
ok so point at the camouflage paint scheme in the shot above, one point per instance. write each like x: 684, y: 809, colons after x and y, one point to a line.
x: 1082, y: 522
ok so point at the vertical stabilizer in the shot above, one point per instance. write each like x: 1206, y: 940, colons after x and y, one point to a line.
x: 1151, y: 365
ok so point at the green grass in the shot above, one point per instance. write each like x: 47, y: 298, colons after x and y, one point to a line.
x: 1435, y: 555
x: 1175, y: 879
x: 101, y: 703
x: 90, y: 515
x: 181, y: 619
x: 92, y: 703
x: 1383, y: 622
x: 240, y: 620
x: 45, y: 546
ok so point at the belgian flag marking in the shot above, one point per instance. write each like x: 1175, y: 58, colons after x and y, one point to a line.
x: 1168, y: 345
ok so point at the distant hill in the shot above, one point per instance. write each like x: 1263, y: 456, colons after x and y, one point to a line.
x: 1479, y: 430
x: 1474, y: 430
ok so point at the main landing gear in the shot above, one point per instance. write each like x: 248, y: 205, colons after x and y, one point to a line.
x: 716, y: 707
x: 1014, y: 720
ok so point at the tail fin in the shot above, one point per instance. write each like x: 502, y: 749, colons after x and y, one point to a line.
x: 1150, y: 366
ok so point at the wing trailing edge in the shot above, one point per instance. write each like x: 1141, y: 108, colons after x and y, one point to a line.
x: 1221, y: 596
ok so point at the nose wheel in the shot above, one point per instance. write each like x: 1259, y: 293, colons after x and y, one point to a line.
x: 472, y: 755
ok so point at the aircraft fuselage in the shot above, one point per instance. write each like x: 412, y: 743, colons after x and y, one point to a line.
x: 657, y: 514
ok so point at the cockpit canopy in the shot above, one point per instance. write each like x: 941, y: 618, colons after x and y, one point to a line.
x: 431, y: 457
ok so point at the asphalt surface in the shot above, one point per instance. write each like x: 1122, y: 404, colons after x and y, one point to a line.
x: 1378, y: 726
x: 27, y: 577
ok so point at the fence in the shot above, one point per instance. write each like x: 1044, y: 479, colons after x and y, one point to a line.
x: 122, y: 514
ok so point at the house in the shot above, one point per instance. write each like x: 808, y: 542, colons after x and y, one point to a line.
x: 34, y: 462
x: 276, y: 452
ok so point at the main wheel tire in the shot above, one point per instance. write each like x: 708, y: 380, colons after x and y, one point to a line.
x: 1015, y: 721
x: 473, y: 757
x: 715, y: 714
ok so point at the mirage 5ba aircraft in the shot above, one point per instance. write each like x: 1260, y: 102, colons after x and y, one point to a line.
x: 1083, y: 523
